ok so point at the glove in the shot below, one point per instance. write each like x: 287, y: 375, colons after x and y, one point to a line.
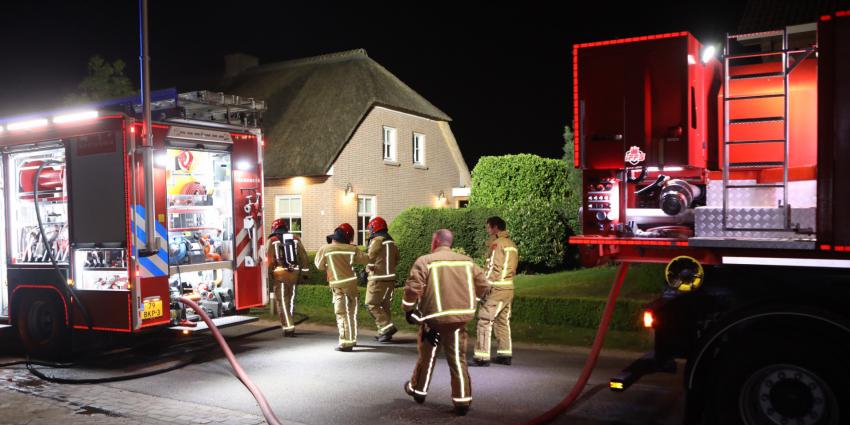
x: 431, y: 336
x: 409, y: 317
x: 483, y: 298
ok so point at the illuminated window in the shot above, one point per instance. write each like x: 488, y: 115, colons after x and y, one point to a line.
x: 288, y: 207
x: 366, y: 210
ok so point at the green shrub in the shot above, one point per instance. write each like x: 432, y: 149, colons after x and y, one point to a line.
x: 530, y: 310
x: 540, y: 230
x: 414, y: 227
x: 539, y: 199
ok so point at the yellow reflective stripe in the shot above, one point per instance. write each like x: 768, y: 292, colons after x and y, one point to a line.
x: 469, y: 283
x: 409, y: 304
x: 510, y: 248
x: 457, y: 363
x: 383, y: 276
x: 504, y: 352
x: 462, y: 399
x: 449, y: 263
x: 483, y: 355
x: 347, y: 341
x: 430, y: 370
x: 505, y: 265
x: 449, y: 313
x: 437, y: 290
x: 490, y: 266
x: 502, y: 282
x: 318, y: 261
x: 334, y: 282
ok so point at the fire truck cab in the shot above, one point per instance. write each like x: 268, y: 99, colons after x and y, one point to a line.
x: 73, y: 257
x: 733, y: 171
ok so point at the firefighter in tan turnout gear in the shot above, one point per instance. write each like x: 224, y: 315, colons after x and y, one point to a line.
x: 337, y: 259
x: 288, y: 265
x: 440, y: 295
x: 494, y: 317
x: 383, y: 258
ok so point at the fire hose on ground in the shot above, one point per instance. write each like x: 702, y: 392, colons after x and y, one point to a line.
x: 592, y: 358
x: 271, y: 418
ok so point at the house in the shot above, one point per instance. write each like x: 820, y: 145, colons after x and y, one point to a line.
x: 345, y: 140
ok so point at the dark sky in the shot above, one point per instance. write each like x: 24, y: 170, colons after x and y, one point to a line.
x: 502, y: 72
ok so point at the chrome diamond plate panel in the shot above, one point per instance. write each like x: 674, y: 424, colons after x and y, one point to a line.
x: 709, y: 222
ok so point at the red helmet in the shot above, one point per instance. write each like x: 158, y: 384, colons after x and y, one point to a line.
x: 280, y: 222
x: 348, y: 230
x: 377, y: 224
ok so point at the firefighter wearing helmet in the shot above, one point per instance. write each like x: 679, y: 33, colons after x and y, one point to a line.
x: 337, y: 258
x: 383, y: 258
x: 288, y: 263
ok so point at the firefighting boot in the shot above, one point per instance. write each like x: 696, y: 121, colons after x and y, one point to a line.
x: 416, y: 397
x: 461, y: 409
x: 478, y: 363
x: 388, y: 335
x: 343, y: 348
x: 505, y: 360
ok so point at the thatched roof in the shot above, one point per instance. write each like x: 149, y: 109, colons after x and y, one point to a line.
x: 315, y: 104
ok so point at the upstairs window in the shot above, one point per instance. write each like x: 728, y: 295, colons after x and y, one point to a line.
x: 418, y: 149
x: 389, y: 144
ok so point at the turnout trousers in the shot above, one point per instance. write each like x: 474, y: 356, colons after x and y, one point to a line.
x: 453, y: 337
x: 284, y: 302
x: 346, y: 302
x: 494, y: 317
x: 379, y: 297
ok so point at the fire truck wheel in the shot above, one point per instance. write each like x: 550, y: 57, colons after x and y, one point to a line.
x: 41, y: 326
x: 780, y: 380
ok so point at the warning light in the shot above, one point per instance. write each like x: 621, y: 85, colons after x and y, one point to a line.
x: 648, y: 319
x: 70, y: 282
x: 616, y: 385
x: 185, y: 332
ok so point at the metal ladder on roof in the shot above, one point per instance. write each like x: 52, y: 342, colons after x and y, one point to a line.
x: 729, y: 98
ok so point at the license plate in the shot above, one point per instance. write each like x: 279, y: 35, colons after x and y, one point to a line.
x: 153, y: 309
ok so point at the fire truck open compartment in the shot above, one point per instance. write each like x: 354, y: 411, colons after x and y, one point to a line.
x: 86, y: 178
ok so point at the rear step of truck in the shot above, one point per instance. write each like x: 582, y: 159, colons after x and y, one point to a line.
x: 643, y: 366
x: 220, y: 322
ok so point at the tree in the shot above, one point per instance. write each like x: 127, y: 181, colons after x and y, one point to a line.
x: 104, y: 81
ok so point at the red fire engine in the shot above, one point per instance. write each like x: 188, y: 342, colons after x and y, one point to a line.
x: 734, y: 172
x: 79, y: 204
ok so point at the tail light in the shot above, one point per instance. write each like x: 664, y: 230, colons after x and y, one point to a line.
x: 648, y: 319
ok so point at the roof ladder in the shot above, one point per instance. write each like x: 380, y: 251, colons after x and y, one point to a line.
x: 730, y: 98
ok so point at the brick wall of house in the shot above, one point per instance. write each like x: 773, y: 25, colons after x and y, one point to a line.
x: 396, y: 186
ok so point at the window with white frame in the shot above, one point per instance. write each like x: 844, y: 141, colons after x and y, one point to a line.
x: 288, y: 207
x: 389, y: 144
x: 419, y: 148
x: 366, y: 211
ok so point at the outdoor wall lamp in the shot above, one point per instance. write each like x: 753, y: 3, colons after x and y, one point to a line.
x: 441, y: 197
x: 348, y: 190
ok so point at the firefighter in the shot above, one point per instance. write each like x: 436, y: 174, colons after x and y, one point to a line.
x: 289, y: 265
x: 337, y: 259
x: 495, y: 313
x: 440, y: 296
x: 383, y: 257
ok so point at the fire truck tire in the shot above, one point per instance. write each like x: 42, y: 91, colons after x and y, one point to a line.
x: 780, y: 379
x: 41, y: 326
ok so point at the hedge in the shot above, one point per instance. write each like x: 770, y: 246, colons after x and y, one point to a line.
x: 575, y: 312
x: 414, y: 227
x: 501, y: 180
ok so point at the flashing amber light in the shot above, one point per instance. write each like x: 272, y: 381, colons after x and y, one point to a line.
x: 648, y: 319
x: 616, y: 385
x: 70, y: 282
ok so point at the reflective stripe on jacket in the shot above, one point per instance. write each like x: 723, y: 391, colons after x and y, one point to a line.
x: 446, y: 285
x: 383, y: 257
x: 502, y: 260
x: 337, y: 260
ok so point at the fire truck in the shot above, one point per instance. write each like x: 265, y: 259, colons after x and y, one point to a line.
x: 733, y: 169
x: 102, y: 232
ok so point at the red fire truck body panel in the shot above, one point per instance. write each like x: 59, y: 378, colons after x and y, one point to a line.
x: 200, y: 210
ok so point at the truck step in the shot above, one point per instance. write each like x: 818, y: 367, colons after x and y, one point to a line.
x: 756, y: 120
x: 756, y: 164
x: 643, y: 366
x: 220, y: 322
x: 760, y: 75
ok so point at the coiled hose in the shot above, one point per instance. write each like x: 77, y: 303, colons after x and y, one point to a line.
x: 592, y: 358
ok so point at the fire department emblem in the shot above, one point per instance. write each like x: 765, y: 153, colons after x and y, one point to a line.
x: 184, y: 160
x: 635, y: 156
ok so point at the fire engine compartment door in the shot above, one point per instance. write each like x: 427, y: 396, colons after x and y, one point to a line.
x: 98, y: 231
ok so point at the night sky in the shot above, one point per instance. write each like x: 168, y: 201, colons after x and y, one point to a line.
x: 502, y: 72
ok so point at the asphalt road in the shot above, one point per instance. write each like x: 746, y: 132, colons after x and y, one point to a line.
x: 307, y: 382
